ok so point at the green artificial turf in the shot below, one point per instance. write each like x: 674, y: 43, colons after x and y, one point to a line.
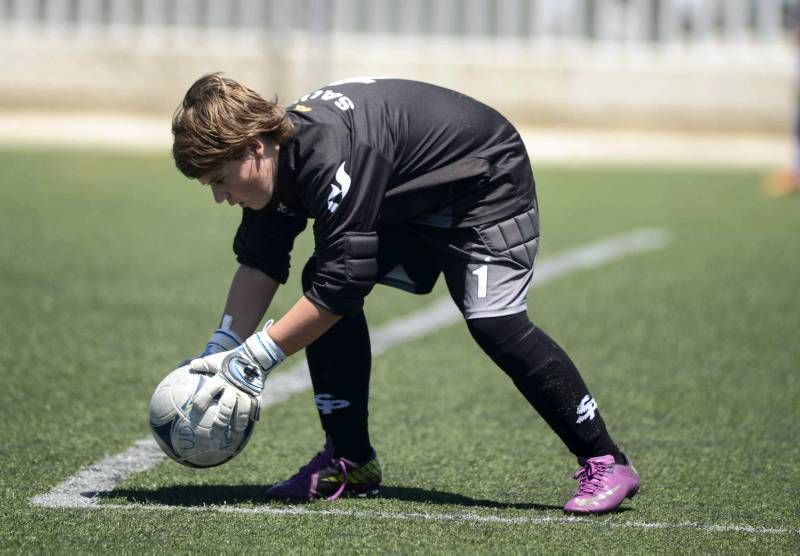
x: 113, y: 268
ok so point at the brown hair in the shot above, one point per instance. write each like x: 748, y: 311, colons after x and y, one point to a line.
x: 216, y: 121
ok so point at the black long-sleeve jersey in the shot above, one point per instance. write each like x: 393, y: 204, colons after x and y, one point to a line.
x: 373, y: 153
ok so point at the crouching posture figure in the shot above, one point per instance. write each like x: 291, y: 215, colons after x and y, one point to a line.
x: 404, y: 181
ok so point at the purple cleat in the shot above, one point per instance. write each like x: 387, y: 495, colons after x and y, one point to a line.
x: 603, y: 486
x: 326, y: 476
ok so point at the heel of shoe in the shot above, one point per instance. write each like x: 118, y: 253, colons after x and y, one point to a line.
x: 364, y: 491
x: 372, y: 493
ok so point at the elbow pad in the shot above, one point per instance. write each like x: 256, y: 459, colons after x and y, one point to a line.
x: 346, y: 271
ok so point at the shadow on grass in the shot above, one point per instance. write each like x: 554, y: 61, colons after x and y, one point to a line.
x: 413, y: 494
x: 187, y: 495
x: 204, y: 495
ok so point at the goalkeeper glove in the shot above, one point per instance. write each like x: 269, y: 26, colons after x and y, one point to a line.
x: 223, y: 339
x: 246, y: 367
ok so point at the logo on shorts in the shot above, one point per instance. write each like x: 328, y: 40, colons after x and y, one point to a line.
x: 338, y: 189
x: 326, y: 405
x: 586, y: 409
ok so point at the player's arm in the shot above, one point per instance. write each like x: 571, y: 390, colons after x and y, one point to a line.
x: 345, y: 198
x: 262, y: 245
x: 249, y: 296
x: 304, y: 323
x: 343, y: 190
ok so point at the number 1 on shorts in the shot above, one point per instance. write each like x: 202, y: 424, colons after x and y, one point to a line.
x: 482, y: 272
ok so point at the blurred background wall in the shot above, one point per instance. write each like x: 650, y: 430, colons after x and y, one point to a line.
x: 714, y: 65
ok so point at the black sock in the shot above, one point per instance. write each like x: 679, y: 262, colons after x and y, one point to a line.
x: 548, y: 379
x: 339, y: 363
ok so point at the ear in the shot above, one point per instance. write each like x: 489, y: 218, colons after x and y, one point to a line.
x: 256, y: 147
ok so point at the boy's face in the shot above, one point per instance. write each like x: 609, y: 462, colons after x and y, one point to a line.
x: 249, y: 181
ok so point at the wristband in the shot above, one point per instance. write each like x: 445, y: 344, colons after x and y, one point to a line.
x: 263, y: 349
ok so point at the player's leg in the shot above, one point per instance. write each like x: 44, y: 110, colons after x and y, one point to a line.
x: 488, y: 272
x: 549, y: 380
x: 339, y: 363
x: 784, y: 182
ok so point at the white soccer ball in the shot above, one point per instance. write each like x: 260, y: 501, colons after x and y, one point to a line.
x: 187, y: 437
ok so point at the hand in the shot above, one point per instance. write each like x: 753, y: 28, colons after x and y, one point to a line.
x: 223, y: 339
x: 247, y: 366
x: 235, y: 408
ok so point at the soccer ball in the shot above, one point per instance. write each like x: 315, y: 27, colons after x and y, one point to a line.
x: 186, y: 436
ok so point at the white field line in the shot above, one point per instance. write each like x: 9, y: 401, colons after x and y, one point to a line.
x: 82, y: 489
x: 592, y: 521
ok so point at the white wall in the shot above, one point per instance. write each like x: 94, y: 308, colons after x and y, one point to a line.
x: 695, y: 64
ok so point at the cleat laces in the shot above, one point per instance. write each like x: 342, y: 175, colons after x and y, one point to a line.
x: 318, y: 463
x: 343, y: 467
x: 591, y: 477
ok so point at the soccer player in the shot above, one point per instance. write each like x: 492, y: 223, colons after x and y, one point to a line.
x: 785, y: 182
x: 404, y: 181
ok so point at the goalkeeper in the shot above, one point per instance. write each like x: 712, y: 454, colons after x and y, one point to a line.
x: 404, y: 181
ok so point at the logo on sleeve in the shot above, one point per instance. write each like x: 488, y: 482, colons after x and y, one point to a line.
x: 338, y: 189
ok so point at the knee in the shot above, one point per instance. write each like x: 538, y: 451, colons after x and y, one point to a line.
x: 517, y: 346
x: 500, y: 333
